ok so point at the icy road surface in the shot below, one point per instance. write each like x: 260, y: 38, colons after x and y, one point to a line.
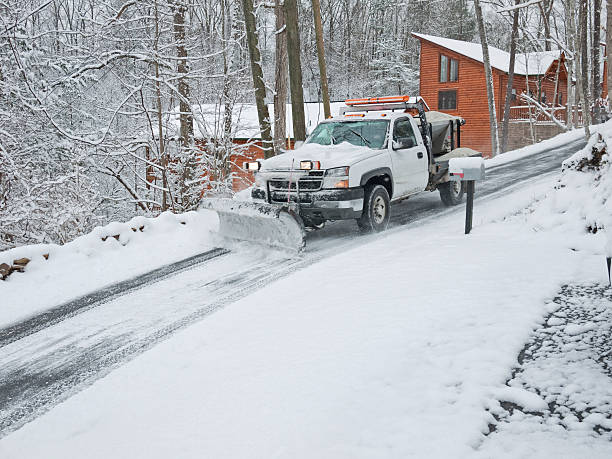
x: 48, y: 366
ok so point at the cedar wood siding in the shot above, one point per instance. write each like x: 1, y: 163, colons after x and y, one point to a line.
x: 471, y: 93
x: 471, y: 90
x: 519, y: 83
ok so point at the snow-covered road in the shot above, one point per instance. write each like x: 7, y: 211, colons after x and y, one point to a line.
x: 39, y: 370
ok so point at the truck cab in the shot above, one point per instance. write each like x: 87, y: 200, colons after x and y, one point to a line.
x: 354, y: 165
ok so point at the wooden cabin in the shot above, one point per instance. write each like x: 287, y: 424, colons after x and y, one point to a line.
x: 452, y: 80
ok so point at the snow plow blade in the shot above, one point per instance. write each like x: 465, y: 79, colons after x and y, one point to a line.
x: 274, y: 225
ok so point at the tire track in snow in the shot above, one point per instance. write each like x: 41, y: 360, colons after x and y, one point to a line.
x: 45, y: 368
x: 101, y: 296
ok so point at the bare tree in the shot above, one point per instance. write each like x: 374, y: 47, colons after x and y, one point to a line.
x: 595, y: 58
x: 316, y: 9
x: 513, y: 39
x: 583, y: 75
x: 571, y: 63
x: 488, y: 78
x: 280, y: 80
x: 258, y: 78
x: 295, y: 71
x: 546, y: 7
x: 609, y: 45
x: 187, y: 156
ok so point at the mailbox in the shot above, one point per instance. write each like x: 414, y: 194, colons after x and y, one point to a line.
x: 465, y: 169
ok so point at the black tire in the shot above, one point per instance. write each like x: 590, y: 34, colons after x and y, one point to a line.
x: 451, y: 193
x: 376, y: 210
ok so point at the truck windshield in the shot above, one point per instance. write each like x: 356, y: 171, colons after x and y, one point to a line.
x: 367, y: 133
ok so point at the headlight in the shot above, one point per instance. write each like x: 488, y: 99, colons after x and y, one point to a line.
x: 336, y: 178
x: 337, y: 172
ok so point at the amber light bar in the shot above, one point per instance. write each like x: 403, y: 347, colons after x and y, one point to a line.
x: 377, y: 100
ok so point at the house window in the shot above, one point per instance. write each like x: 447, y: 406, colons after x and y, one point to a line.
x: 443, y: 68
x: 454, y: 70
x: 560, y: 98
x: 449, y: 69
x: 447, y: 100
x: 513, y: 95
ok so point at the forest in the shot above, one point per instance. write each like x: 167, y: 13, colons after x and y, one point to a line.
x: 99, y: 98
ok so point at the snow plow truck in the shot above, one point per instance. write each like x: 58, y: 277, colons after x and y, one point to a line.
x: 376, y: 152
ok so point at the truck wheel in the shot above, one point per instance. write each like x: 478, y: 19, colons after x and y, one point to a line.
x: 451, y: 193
x: 376, y: 209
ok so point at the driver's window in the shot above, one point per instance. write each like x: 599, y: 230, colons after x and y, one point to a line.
x: 403, y: 130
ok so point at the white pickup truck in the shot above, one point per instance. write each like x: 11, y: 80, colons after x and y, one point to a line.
x: 353, y: 166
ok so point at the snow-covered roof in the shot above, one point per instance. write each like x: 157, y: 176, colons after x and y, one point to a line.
x: 209, y: 119
x: 525, y: 63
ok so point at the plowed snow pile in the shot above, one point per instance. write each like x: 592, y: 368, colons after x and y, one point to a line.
x: 108, y: 254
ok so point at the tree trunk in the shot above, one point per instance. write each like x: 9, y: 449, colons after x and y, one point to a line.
x: 258, y: 81
x: 186, y: 116
x: 595, y: 59
x: 556, y: 90
x: 316, y: 8
x: 531, y: 129
x: 231, y: 64
x: 489, y: 79
x: 295, y: 71
x: 280, y: 80
x: 570, y: 61
x: 609, y: 46
x: 545, y: 10
x: 160, y: 131
x: 584, y: 66
x: 506, y: 122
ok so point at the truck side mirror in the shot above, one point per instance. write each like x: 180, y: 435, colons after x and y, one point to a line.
x: 405, y: 142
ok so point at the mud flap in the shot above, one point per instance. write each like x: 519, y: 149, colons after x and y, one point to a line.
x: 274, y: 225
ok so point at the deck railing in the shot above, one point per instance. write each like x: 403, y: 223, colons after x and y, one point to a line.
x: 534, y: 114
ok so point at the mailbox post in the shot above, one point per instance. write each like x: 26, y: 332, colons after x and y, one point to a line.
x: 467, y: 170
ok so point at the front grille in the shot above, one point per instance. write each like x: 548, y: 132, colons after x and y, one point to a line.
x: 311, y: 182
x: 283, y: 197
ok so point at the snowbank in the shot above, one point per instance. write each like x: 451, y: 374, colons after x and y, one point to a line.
x: 108, y: 254
x: 581, y: 203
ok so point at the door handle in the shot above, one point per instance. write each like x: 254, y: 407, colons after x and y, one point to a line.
x: 420, y: 154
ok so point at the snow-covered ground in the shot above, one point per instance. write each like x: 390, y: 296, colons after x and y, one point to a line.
x: 400, y: 347
x: 107, y: 255
x: 568, y: 364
